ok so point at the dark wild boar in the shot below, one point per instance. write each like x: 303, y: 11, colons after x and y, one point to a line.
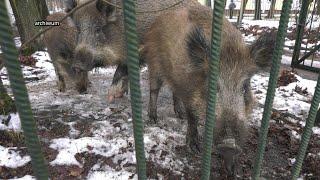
x: 101, y: 39
x: 61, y: 42
x: 176, y: 49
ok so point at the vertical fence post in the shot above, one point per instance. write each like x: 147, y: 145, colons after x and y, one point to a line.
x: 307, y: 132
x: 20, y: 94
x: 217, y: 21
x: 134, y: 79
x: 276, y: 60
x: 300, y: 28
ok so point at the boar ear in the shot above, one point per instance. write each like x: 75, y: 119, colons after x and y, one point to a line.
x: 107, y: 9
x: 69, y: 5
x: 197, y: 46
x: 261, y: 50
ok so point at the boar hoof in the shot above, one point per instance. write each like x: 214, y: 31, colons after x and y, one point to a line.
x: 115, y: 92
x: 83, y: 91
x: 178, y: 107
x: 178, y: 110
x: 194, y: 145
x: 153, y: 118
x: 61, y: 87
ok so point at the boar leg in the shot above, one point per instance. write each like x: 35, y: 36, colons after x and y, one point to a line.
x: 82, y: 82
x: 119, y: 84
x: 178, y: 107
x: 61, y: 81
x: 155, y: 86
x: 192, y: 138
x: 2, y: 88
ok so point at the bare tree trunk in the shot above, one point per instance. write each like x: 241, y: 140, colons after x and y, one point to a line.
x: 271, y: 9
x: 242, y: 9
x: 257, y: 10
x: 209, y: 3
x: 42, y: 9
x: 26, y: 13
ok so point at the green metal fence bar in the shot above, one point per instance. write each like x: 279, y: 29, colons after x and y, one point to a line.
x: 307, y: 132
x: 276, y: 59
x: 21, y: 95
x: 217, y: 20
x: 134, y: 77
x: 300, y: 28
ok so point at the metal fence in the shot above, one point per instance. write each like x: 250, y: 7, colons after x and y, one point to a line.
x: 304, y: 29
x: 28, y: 123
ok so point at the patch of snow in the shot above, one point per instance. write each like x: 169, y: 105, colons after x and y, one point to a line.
x: 14, y: 122
x: 285, y: 97
x: 107, y: 172
x: 26, y: 177
x: 10, y: 157
x: 295, y: 134
x: 68, y: 148
x: 316, y: 130
x: 292, y: 160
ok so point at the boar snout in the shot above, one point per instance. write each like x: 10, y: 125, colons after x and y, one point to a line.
x: 229, y: 152
x: 83, y: 58
x: 81, y: 78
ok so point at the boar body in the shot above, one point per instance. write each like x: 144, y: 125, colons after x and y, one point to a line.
x: 61, y: 42
x: 176, y: 50
x: 102, y: 41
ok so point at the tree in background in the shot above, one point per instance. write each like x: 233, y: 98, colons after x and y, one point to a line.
x: 6, y: 102
x: 26, y: 13
x: 208, y: 3
x: 242, y: 9
x: 257, y: 10
x: 318, y: 7
x: 271, y: 9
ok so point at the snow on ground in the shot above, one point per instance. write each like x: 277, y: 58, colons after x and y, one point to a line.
x: 286, y: 98
x: 13, y: 122
x: 109, y: 137
x: 11, y: 158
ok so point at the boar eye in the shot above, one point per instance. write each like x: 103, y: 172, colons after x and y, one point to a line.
x: 98, y: 29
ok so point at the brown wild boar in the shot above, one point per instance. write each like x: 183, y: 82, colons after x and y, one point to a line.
x: 70, y: 4
x: 61, y: 42
x: 176, y: 50
x: 101, y: 40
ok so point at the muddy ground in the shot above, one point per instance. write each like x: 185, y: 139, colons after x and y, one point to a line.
x: 60, y: 115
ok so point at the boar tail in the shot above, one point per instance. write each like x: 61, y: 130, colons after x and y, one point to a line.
x: 262, y: 49
x: 197, y: 47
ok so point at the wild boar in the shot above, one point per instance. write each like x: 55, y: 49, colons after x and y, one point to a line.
x: 177, y: 50
x: 61, y: 42
x: 101, y: 40
x: 70, y: 4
